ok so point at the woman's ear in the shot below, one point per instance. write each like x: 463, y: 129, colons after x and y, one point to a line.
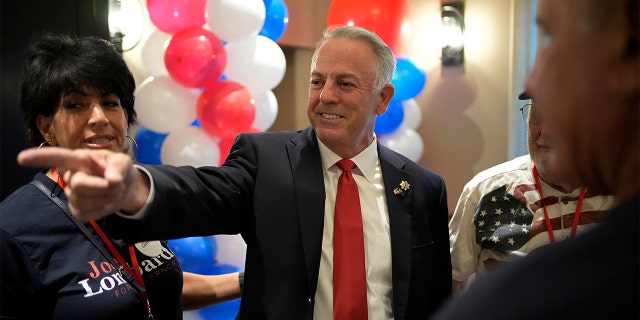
x: 44, y: 126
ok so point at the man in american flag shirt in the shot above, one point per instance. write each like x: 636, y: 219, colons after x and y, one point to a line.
x: 500, y: 215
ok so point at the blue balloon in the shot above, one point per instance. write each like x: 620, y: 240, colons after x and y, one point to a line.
x: 391, y: 119
x: 223, y: 269
x: 267, y: 3
x: 149, y: 145
x: 408, y: 79
x: 222, y: 311
x: 276, y: 20
x: 195, y: 254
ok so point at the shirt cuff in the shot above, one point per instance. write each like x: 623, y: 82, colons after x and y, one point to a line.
x: 142, y: 213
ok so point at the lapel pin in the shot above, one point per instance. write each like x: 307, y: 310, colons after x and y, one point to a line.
x: 404, y: 187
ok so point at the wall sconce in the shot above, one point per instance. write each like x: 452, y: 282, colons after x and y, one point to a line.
x: 126, y: 23
x: 452, y: 15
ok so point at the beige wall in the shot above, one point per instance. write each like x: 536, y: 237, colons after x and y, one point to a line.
x: 466, y: 111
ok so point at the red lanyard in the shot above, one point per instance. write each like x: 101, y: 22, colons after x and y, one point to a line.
x: 137, y: 275
x: 576, y: 218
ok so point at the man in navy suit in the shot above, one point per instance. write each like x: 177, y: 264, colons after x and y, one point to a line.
x: 278, y: 190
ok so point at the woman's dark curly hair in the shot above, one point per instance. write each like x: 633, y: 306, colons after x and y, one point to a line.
x: 58, y: 63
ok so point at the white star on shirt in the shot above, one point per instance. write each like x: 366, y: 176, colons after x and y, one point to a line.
x: 493, y: 199
x: 511, y: 241
x: 483, y: 213
x: 495, y: 239
x: 498, y: 211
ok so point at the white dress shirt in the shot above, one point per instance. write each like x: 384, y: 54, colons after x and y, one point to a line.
x: 377, y: 237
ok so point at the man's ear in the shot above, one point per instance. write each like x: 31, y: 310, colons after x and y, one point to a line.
x: 623, y: 79
x: 386, y: 94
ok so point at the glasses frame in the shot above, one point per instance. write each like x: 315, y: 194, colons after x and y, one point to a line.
x: 525, y: 110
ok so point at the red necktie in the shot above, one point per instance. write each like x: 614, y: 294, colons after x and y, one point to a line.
x: 349, y: 279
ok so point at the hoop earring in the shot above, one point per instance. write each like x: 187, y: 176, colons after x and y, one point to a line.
x: 42, y: 144
x: 134, y: 143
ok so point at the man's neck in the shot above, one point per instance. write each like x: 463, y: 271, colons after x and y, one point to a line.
x: 627, y: 185
x: 562, y: 187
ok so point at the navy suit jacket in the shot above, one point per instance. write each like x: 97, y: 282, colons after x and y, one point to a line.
x: 271, y: 191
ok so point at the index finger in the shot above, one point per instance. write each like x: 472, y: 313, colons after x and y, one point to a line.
x: 50, y: 157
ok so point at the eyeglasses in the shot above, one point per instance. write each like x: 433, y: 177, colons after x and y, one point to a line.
x: 526, y: 110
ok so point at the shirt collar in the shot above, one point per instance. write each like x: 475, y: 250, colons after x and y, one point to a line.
x: 366, y: 161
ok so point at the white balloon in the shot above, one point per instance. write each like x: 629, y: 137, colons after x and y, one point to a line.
x: 190, y: 146
x: 235, y: 20
x: 257, y: 63
x: 163, y: 105
x: 266, y: 110
x: 191, y: 315
x: 231, y: 249
x: 153, y: 53
x: 412, y: 114
x: 404, y: 141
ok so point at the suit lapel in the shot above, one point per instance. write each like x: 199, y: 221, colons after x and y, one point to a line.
x: 306, y: 166
x: 399, y: 207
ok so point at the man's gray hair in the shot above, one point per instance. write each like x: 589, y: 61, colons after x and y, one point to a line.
x: 386, y: 61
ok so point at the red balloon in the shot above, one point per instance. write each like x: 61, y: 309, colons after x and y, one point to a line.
x: 225, y: 144
x: 172, y: 16
x: 225, y: 147
x: 384, y: 17
x: 226, y: 108
x: 195, y: 57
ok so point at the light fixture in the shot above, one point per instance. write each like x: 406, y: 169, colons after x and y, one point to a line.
x: 452, y: 33
x: 126, y: 23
